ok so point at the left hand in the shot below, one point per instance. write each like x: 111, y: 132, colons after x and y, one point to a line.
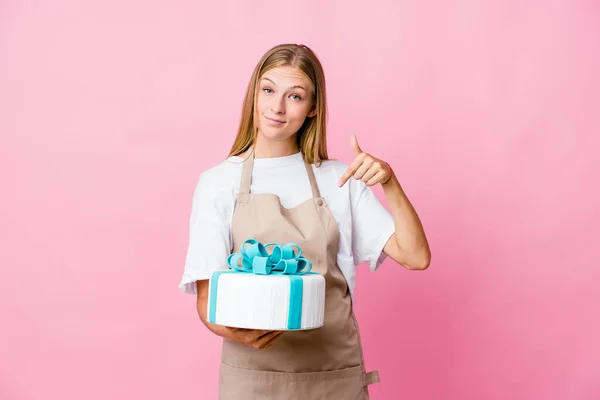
x: 365, y: 167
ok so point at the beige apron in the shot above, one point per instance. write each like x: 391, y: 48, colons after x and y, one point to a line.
x: 323, y: 363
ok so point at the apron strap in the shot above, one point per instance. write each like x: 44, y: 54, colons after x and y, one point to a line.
x: 313, y: 181
x: 247, y: 168
x: 370, y: 378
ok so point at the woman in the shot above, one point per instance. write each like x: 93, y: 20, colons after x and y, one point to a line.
x: 280, y: 149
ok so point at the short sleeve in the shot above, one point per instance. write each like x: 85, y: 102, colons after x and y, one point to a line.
x: 372, y: 226
x: 209, y: 232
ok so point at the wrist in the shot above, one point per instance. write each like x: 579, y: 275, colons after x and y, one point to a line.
x: 389, y: 179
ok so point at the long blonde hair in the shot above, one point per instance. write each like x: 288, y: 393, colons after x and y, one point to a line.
x: 311, y: 137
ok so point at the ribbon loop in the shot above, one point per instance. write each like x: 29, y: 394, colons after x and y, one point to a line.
x: 284, y: 259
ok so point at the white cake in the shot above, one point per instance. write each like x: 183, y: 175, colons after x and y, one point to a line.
x: 270, y: 302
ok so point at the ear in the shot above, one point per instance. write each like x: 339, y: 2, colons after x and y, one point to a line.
x: 313, y: 111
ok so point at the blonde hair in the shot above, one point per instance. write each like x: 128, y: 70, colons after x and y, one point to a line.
x: 311, y: 137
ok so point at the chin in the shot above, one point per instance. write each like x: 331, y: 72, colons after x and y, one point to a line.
x: 273, y: 133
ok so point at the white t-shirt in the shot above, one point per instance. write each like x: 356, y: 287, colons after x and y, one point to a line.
x: 365, y: 225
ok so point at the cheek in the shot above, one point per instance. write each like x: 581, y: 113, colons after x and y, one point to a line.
x: 299, y: 111
x: 261, y: 104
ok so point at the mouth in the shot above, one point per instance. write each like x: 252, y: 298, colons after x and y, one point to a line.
x: 275, y: 121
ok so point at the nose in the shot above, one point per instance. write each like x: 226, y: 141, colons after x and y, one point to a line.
x: 278, y: 106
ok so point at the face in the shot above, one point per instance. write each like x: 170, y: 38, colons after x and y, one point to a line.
x: 284, y: 101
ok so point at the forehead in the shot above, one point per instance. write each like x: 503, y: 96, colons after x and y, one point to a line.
x: 288, y: 76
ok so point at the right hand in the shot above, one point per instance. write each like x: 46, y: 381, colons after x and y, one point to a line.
x: 259, y: 339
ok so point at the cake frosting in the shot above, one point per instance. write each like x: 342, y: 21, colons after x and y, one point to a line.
x: 264, y: 301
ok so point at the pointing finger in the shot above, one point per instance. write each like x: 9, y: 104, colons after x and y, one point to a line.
x: 352, y: 168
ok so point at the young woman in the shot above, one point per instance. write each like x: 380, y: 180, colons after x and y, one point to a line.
x: 278, y: 184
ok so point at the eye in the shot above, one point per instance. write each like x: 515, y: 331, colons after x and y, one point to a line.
x: 296, y: 97
x: 267, y: 90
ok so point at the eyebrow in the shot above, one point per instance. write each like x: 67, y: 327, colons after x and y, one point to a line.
x: 291, y: 87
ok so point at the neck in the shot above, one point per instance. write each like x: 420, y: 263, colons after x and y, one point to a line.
x: 267, y: 148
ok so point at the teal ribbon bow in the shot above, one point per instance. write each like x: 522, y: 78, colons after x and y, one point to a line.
x: 284, y: 259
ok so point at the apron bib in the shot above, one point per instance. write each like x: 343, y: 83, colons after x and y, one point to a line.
x: 323, y: 363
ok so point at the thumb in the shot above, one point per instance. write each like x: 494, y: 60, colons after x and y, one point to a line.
x: 354, y: 144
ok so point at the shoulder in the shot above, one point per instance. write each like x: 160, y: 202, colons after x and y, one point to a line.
x: 219, y: 174
x: 218, y: 180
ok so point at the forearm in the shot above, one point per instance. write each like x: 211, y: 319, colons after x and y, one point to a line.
x: 412, y: 246
x: 201, y: 304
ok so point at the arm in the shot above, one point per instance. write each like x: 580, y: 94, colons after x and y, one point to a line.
x: 212, y: 208
x: 255, y: 338
x: 408, y: 245
x: 201, y: 305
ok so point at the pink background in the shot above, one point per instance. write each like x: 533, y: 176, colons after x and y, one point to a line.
x: 488, y: 111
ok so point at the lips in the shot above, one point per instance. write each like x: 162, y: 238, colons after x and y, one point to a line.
x: 274, y: 121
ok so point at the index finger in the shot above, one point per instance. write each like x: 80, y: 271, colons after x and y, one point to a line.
x: 352, y: 168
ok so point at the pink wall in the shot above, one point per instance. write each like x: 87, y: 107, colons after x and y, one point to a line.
x: 488, y: 111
